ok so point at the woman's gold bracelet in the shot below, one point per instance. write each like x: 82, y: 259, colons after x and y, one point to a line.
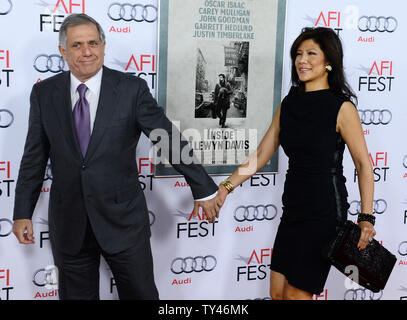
x: 228, y: 185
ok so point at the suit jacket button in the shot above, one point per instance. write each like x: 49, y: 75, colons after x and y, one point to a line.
x: 83, y: 167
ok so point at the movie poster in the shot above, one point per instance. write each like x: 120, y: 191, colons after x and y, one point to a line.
x: 219, y: 77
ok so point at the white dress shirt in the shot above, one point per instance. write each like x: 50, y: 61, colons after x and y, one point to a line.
x: 92, y: 96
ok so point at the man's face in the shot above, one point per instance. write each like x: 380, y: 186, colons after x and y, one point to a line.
x: 221, y: 79
x: 84, y: 52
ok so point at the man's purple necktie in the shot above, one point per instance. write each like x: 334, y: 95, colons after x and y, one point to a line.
x: 81, y: 115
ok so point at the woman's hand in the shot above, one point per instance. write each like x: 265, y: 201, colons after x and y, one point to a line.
x: 366, y: 235
x: 221, y: 196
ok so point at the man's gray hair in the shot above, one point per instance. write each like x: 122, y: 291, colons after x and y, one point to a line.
x: 77, y: 19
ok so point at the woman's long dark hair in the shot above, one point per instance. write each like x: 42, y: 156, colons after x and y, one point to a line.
x: 331, y: 46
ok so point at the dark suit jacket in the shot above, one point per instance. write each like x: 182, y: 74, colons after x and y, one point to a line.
x: 104, y: 184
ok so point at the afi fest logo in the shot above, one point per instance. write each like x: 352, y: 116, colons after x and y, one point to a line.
x: 256, y: 267
x: 55, y: 13
x: 336, y: 19
x: 5, y: 181
x: 146, y: 180
x: 140, y: 65
x: 5, y: 283
x: 379, y: 76
x: 331, y: 19
x: 5, y: 67
x: 380, y: 167
x: 195, y: 229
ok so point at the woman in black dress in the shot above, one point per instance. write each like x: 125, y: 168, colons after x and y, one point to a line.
x: 313, y: 123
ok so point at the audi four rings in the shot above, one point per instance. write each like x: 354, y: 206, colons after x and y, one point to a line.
x: 49, y: 277
x: 49, y: 63
x: 2, y: 13
x: 379, y: 207
x: 362, y: 294
x: 6, y: 227
x: 405, y: 162
x: 403, y: 252
x: 133, y: 12
x: 48, y: 173
x: 259, y: 213
x: 375, y: 116
x: 379, y: 24
x: 6, y: 118
x: 151, y: 217
x: 193, y: 264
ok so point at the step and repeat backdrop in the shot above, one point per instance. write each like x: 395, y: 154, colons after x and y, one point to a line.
x: 194, y: 259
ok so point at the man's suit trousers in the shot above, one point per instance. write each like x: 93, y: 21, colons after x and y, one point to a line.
x: 132, y: 270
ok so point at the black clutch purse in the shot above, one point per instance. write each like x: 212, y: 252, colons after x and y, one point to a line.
x: 374, y: 264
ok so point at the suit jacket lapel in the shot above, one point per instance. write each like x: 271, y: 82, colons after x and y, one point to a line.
x: 62, y: 101
x: 107, y: 98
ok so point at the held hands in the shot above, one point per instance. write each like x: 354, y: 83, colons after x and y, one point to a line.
x: 366, y: 235
x: 209, y: 207
x: 212, y: 207
x: 23, y: 230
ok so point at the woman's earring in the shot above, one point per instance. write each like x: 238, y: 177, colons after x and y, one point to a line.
x: 328, y: 68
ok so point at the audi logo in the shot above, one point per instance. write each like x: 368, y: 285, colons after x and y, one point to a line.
x: 379, y: 24
x: 403, y: 248
x: 136, y: 12
x: 379, y: 207
x: 3, y: 12
x: 48, y: 173
x: 405, y: 162
x: 375, y: 116
x: 259, y: 213
x: 362, y: 294
x: 6, y: 118
x: 47, y: 277
x: 49, y: 63
x: 151, y: 217
x: 6, y: 227
x: 191, y: 264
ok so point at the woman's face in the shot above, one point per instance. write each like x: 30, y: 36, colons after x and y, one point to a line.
x: 310, y: 65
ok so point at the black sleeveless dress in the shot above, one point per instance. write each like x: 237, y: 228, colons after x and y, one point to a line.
x: 315, y: 197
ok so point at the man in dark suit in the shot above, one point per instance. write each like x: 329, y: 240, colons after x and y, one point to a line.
x: 222, y: 94
x: 88, y: 122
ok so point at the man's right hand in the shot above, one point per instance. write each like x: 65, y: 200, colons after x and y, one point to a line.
x: 23, y: 230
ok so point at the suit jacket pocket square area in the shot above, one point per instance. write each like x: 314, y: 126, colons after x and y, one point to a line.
x: 374, y: 264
